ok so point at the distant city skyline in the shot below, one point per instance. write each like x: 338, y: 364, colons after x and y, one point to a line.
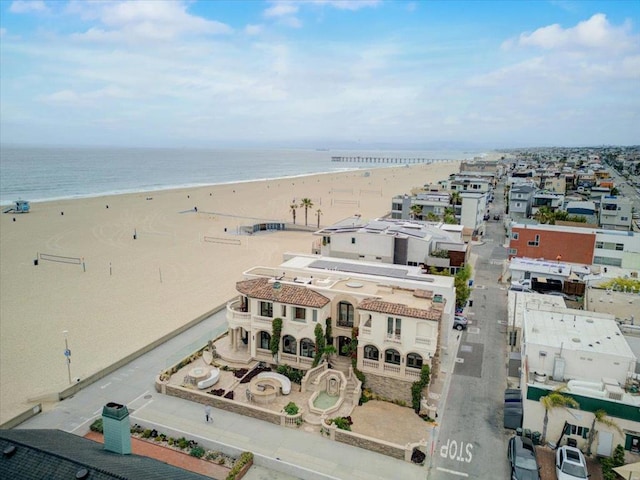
x: 320, y: 73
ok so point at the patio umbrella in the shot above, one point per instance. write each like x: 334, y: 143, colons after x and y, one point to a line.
x: 630, y: 471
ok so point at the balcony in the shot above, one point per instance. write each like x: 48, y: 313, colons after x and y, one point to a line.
x: 393, y: 338
x: 344, y: 323
x: 365, y: 331
x: 238, y: 316
x: 424, y: 341
x: 370, y: 364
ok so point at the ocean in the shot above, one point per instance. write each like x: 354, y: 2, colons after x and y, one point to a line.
x: 52, y: 173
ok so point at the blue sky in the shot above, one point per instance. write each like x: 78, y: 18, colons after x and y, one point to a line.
x: 320, y: 73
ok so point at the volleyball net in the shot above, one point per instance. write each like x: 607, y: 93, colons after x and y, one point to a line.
x: 225, y: 241
x: 47, y: 257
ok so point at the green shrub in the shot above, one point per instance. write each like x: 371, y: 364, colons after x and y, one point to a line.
x: 274, y: 343
x: 245, y: 458
x: 197, y: 452
x: 146, y: 433
x: 291, y: 408
x: 182, y: 443
x: 360, y: 376
x: 342, y: 423
x: 97, y: 426
x: 291, y: 373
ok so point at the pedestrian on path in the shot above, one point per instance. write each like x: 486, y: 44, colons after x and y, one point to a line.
x: 207, y: 414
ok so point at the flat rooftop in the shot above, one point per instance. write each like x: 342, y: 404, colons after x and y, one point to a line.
x: 573, y: 330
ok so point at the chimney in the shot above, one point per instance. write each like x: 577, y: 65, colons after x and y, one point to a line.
x: 116, y: 428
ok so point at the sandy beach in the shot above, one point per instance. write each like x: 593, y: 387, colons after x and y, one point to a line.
x: 131, y: 292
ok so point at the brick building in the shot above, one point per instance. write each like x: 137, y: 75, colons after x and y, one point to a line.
x: 572, y: 244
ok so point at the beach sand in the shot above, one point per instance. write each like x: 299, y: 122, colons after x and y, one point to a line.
x: 131, y: 292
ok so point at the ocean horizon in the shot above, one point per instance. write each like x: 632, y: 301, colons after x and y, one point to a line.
x: 38, y: 173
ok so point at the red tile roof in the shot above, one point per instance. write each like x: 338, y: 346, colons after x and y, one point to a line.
x: 290, y: 294
x: 375, y: 305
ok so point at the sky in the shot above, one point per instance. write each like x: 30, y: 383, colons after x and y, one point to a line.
x: 320, y: 73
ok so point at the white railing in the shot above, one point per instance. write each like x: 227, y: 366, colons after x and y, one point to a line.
x: 306, y: 361
x: 394, y: 338
x: 236, y: 314
x: 412, y: 373
x: 365, y: 331
x: 391, y: 368
x: 423, y: 340
x: 373, y: 364
x: 288, y: 357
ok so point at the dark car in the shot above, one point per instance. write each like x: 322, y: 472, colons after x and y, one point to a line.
x: 496, y: 216
x: 523, y: 460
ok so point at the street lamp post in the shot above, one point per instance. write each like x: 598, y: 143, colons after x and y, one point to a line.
x: 67, y: 354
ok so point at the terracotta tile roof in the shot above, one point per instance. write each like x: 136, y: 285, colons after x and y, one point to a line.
x: 289, y: 294
x: 375, y: 305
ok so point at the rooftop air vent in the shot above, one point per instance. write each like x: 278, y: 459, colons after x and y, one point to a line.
x: 82, y: 474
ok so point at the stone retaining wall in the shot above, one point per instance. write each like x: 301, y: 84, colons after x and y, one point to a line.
x: 392, y: 389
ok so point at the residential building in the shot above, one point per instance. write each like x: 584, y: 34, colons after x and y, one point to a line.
x: 555, y: 184
x: 474, y: 207
x: 581, y: 245
x: 615, y: 213
x: 585, y: 355
x: 543, y: 241
x: 520, y: 200
x: 399, y: 315
x: 430, y: 206
x: 583, y: 209
x: 395, y: 241
x: 552, y: 201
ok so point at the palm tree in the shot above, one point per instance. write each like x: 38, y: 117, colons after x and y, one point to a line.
x: 306, y: 203
x: 545, y: 215
x: 455, y: 198
x: 600, y: 416
x: 318, y: 213
x: 554, y: 399
x: 293, y: 207
x: 416, y: 212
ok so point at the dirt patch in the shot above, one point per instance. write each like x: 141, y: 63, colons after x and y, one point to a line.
x: 389, y: 422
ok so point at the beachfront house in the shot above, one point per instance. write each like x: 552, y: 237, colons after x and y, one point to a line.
x: 398, y: 242
x: 398, y: 314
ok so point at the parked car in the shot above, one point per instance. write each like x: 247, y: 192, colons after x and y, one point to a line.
x: 460, y: 322
x: 523, y: 459
x: 520, y: 288
x: 496, y: 216
x: 563, y: 295
x: 570, y: 463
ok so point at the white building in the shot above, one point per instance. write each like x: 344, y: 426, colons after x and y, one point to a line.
x: 474, y: 207
x: 615, y: 213
x: 584, y: 356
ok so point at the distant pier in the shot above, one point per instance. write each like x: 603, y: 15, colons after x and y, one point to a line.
x: 358, y: 159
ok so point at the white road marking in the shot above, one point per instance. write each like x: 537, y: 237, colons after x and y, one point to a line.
x: 105, y: 385
x: 453, y: 472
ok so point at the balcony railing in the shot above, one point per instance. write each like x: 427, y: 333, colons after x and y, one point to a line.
x: 372, y: 364
x: 365, y: 331
x: 345, y: 323
x: 412, y: 373
x: 260, y: 319
x: 394, y: 338
x: 423, y: 341
x: 391, y: 368
x: 237, y: 314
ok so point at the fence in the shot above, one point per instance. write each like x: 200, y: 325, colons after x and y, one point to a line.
x: 223, y: 240
x: 60, y: 259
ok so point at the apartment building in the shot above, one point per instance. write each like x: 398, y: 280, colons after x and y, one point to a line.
x: 520, y: 200
x: 615, y: 213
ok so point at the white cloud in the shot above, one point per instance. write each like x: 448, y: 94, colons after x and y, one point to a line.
x: 28, y: 6
x: 253, y: 29
x: 595, y: 33
x: 281, y: 9
x: 143, y: 19
x: 347, y: 4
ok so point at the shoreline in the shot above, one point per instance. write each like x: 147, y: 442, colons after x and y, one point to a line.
x: 136, y: 290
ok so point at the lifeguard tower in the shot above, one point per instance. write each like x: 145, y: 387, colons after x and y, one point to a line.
x: 19, y: 206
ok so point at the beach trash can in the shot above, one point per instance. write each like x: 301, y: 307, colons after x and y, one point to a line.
x: 535, y: 437
x: 35, y: 262
x: 527, y: 433
x: 519, y: 431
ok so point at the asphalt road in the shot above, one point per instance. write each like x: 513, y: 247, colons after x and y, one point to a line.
x: 471, y: 442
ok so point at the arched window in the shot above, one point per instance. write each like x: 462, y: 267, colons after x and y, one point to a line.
x: 414, y: 360
x: 307, y: 348
x: 265, y: 338
x: 392, y: 356
x: 371, y: 353
x: 289, y: 345
x: 345, y: 314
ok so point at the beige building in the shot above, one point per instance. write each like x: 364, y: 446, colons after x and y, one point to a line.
x: 399, y: 316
